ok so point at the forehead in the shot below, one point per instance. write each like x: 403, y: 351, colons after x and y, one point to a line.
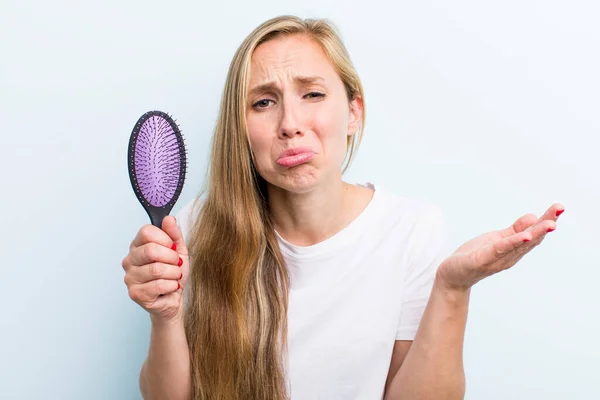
x: 288, y: 56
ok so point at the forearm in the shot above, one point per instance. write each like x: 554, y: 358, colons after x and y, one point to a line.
x: 166, y: 372
x: 433, y: 367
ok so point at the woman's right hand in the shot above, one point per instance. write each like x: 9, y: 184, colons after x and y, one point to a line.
x: 156, y: 269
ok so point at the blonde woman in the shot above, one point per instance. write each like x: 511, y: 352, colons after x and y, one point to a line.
x: 281, y: 280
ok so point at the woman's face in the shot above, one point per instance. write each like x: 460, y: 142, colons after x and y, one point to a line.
x: 297, y: 101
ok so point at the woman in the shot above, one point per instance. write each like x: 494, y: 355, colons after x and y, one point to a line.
x: 298, y: 284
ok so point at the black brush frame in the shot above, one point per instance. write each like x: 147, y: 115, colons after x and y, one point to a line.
x: 156, y: 214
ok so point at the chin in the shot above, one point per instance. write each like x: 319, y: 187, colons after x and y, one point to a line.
x: 301, y: 179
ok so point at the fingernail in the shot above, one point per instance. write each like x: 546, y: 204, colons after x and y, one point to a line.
x: 174, y: 247
x: 550, y: 229
x: 559, y: 212
x: 180, y: 263
x: 526, y: 240
x: 181, y: 276
x: 178, y: 286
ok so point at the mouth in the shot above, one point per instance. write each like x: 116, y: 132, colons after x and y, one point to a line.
x: 292, y: 157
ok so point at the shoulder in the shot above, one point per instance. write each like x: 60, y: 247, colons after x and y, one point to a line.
x: 418, y: 223
x: 411, y: 211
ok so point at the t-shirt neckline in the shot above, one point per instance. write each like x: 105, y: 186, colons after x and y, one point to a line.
x: 338, y: 240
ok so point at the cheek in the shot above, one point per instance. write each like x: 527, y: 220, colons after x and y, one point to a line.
x: 256, y: 132
x: 333, y: 126
x: 333, y: 117
x: 260, y: 143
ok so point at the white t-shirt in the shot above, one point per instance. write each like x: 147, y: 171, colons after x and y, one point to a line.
x: 355, y: 293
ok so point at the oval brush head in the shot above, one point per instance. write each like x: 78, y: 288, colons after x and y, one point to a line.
x: 157, y: 164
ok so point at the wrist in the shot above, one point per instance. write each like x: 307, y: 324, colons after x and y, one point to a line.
x: 451, y: 294
x: 161, y: 323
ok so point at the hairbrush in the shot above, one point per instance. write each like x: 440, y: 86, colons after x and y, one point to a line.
x: 157, y: 163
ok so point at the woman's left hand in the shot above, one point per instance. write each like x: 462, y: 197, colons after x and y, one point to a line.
x: 496, y: 251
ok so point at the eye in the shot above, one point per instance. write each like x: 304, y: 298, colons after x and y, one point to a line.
x: 314, y: 95
x: 264, y: 103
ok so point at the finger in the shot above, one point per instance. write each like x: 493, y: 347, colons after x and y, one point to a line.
x: 539, y: 231
x: 520, y: 225
x: 528, y: 221
x: 519, y: 243
x: 525, y: 222
x: 551, y: 215
x: 153, y: 252
x: 151, y: 234
x: 150, y: 272
x: 507, y: 245
x: 170, y: 227
x: 150, y: 291
x: 553, y: 212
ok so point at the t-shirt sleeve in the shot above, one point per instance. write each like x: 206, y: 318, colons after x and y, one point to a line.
x: 185, y: 220
x: 429, y: 247
x: 186, y: 217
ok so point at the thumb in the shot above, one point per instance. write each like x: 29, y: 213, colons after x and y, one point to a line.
x: 520, y: 225
x: 170, y: 227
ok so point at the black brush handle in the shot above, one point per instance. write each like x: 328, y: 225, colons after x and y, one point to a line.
x: 157, y: 214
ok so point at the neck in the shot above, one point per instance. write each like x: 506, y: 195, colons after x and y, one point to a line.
x: 304, y: 219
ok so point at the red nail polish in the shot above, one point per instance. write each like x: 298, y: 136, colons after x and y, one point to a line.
x: 559, y: 212
x: 180, y: 263
x: 178, y: 286
x: 181, y: 276
x: 174, y: 247
x: 550, y: 229
x: 526, y: 240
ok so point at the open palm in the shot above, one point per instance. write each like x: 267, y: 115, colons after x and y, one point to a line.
x: 496, y: 251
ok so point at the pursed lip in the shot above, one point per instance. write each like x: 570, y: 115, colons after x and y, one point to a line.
x: 295, y: 151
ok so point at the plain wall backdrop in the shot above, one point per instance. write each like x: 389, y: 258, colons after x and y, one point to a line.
x: 489, y: 109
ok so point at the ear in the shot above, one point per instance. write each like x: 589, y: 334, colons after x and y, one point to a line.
x: 355, y: 116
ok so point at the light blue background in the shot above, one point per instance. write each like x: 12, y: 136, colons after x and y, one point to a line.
x: 489, y: 109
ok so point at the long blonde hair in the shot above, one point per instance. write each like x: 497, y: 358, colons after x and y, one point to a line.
x: 237, y: 291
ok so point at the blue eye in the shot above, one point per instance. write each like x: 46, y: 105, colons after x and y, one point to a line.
x: 262, y: 103
x: 314, y: 95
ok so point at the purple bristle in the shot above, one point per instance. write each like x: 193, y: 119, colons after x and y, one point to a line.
x: 157, y: 161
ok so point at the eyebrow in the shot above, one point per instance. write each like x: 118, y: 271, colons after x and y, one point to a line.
x: 299, y: 80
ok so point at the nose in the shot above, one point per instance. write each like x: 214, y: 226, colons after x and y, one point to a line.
x: 291, y: 118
